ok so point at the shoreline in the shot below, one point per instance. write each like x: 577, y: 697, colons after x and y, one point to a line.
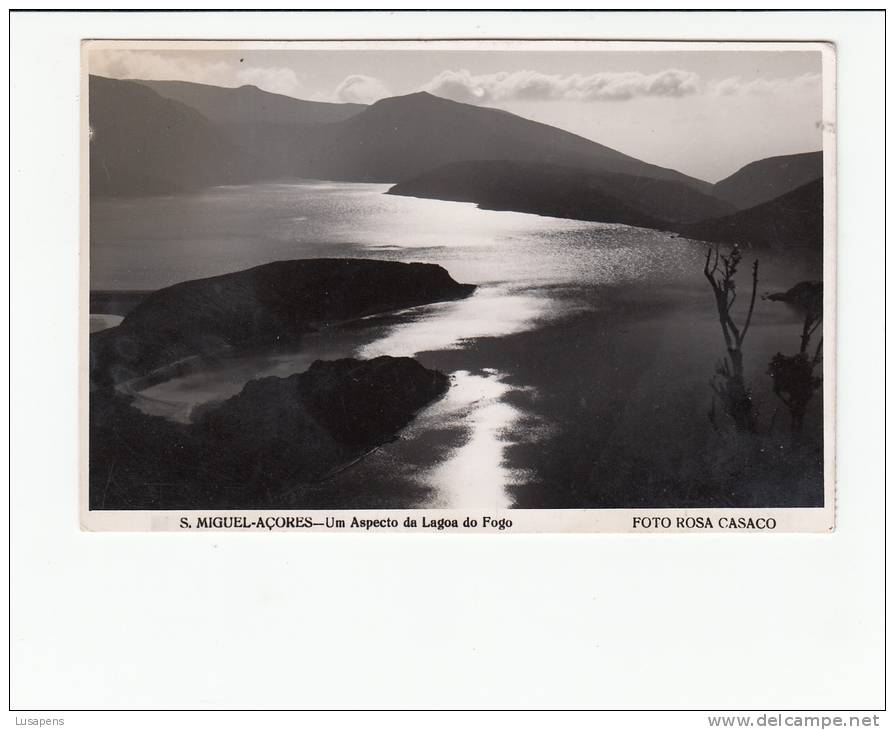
x: 622, y: 365
x: 624, y: 324
x: 610, y: 402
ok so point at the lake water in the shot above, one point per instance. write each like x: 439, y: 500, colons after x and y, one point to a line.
x: 531, y: 271
x: 148, y: 243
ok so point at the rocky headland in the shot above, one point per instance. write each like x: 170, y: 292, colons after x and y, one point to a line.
x: 261, y: 448
x: 271, y: 303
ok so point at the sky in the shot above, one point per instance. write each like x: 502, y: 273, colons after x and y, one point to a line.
x: 705, y: 113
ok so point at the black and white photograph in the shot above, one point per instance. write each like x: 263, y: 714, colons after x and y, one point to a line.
x: 415, y: 361
x: 516, y: 279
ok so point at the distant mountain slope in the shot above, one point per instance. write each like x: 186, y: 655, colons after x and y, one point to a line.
x: 249, y: 104
x: 764, y: 180
x: 146, y: 142
x: 143, y: 144
x: 404, y: 136
x: 565, y: 192
x: 793, y: 219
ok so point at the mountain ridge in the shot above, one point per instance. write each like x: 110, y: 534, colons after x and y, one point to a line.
x: 792, y: 219
x: 144, y: 144
x: 403, y: 136
x: 247, y: 103
x: 565, y: 192
x: 389, y: 141
x: 770, y: 177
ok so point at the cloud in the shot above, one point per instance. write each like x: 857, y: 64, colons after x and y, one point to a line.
x: 360, y: 89
x: 152, y: 66
x: 735, y: 86
x: 533, y: 85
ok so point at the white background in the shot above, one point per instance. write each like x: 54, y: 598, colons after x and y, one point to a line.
x: 510, y: 621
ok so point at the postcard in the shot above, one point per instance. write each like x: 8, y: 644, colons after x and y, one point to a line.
x: 458, y: 286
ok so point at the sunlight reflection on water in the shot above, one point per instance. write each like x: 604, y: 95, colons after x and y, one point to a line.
x: 489, y: 312
x: 474, y: 473
x: 517, y: 260
x: 147, y: 243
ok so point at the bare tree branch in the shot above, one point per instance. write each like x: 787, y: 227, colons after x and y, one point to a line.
x: 732, y: 300
x: 816, y: 325
x: 752, y: 301
x: 818, y: 351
